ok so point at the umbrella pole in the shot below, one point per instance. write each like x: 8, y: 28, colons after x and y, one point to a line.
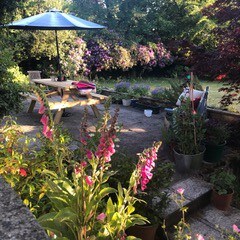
x: 58, y: 55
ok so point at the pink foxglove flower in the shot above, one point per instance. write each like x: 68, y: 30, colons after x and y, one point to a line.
x: 49, y: 134
x: 44, y: 120
x: 83, y: 164
x: 180, y: 191
x: 145, y: 166
x: 106, y: 147
x: 89, y: 180
x: 101, y: 217
x: 89, y: 154
x: 235, y: 228
x: 42, y: 109
x: 199, y: 237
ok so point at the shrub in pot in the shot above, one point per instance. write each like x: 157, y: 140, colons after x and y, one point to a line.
x: 124, y: 92
x: 217, y: 134
x: 223, y: 188
x: 140, y: 90
x: 188, y: 133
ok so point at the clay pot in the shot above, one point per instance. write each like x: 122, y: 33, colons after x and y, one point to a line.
x: 144, y: 232
x: 222, y: 202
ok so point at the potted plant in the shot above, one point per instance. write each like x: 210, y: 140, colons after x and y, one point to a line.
x: 188, y: 131
x: 140, y: 90
x: 123, y: 91
x: 154, y: 202
x: 223, y: 188
x: 217, y: 134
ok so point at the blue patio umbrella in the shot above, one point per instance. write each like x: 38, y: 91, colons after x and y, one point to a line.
x: 53, y: 20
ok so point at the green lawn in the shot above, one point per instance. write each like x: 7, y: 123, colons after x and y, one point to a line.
x: 213, y: 98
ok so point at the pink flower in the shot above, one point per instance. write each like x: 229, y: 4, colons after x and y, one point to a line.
x: 146, y: 165
x: 44, y: 120
x: 180, y: 191
x: 199, y: 237
x: 49, y: 134
x: 89, y: 154
x: 42, y: 109
x: 235, y: 228
x: 106, y: 147
x: 22, y: 172
x: 83, y: 164
x: 89, y: 180
x: 101, y: 216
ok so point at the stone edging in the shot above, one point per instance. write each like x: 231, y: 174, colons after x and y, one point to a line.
x: 16, y: 221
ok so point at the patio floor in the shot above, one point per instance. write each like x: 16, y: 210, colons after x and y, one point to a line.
x: 138, y: 131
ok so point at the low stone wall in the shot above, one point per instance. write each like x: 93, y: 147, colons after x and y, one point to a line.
x: 222, y: 115
x: 16, y: 221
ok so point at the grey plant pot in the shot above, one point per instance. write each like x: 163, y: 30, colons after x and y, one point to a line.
x: 185, y: 163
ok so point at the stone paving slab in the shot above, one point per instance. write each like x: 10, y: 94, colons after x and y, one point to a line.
x: 211, y: 222
x: 196, y: 194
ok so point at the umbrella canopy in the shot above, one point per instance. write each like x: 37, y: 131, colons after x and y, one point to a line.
x: 53, y: 20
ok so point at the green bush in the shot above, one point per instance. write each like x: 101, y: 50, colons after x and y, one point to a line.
x: 11, y: 80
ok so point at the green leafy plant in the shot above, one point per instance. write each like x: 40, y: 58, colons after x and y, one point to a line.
x: 140, y: 90
x: 223, y: 181
x: 188, y: 129
x: 22, y: 164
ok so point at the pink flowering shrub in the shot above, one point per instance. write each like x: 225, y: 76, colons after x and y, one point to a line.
x: 91, y: 57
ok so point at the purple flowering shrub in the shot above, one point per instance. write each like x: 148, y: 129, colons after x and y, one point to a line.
x: 158, y: 92
x: 97, y: 57
x: 139, y: 90
x: 122, y: 87
x: 94, y: 56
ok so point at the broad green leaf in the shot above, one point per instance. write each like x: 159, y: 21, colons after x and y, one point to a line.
x: 67, y: 214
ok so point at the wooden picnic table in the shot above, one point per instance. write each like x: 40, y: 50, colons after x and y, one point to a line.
x: 69, y: 96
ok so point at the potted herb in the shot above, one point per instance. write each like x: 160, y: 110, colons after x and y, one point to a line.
x: 123, y: 90
x: 217, y: 134
x: 187, y: 131
x: 223, y: 188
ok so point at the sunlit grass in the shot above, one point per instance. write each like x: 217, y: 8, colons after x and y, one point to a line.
x: 214, y: 96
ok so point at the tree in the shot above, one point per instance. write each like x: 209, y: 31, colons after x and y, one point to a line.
x: 223, y: 61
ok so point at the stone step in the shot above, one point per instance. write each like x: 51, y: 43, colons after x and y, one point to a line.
x: 196, y: 193
x: 213, y: 223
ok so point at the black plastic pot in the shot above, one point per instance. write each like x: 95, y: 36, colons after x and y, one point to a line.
x: 214, y: 153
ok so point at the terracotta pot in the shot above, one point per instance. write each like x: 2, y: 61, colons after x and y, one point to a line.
x: 222, y: 202
x: 145, y: 232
